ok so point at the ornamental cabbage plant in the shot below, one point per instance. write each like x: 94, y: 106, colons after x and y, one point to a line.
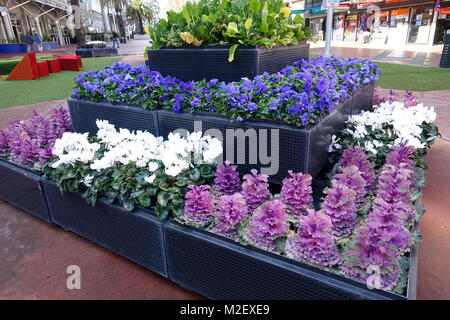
x: 383, y: 238
x: 255, y: 189
x: 268, y: 226
x: 296, y: 194
x: 133, y: 168
x: 313, y: 242
x: 29, y: 143
x: 227, y: 179
x: 198, y: 205
x: 231, y: 212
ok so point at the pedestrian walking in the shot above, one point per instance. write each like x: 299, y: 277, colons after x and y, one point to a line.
x: 37, y: 42
x: 30, y: 41
x: 115, y: 39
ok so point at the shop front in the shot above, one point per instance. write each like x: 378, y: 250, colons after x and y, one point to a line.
x: 390, y: 22
x: 443, y: 22
x: 420, y: 24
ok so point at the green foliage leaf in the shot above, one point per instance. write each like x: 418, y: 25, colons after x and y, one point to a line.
x: 248, y: 23
x: 163, y: 198
x: 232, y: 52
x: 232, y: 28
x: 255, y: 6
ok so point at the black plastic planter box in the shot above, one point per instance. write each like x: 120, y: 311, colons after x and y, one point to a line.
x: 95, y: 53
x: 301, y: 150
x: 219, y: 268
x: 136, y: 235
x: 363, y: 99
x: 23, y: 189
x: 212, y: 62
x: 85, y: 113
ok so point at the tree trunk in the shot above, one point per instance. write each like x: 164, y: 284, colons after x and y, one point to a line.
x: 79, y: 32
x: 141, y: 24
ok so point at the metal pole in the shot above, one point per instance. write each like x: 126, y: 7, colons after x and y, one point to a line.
x: 329, y: 30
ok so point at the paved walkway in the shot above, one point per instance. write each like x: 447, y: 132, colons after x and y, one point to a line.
x: 133, y: 47
x: 34, y: 255
x: 427, y: 59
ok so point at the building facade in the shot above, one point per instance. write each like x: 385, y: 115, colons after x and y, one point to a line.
x: 54, y: 20
x: 387, y: 23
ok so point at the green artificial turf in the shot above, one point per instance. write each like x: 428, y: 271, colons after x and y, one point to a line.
x: 415, y: 78
x: 53, y: 87
x: 405, y: 77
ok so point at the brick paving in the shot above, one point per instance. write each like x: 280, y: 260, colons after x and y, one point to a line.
x: 429, y: 59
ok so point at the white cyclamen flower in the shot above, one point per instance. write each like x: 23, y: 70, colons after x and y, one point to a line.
x: 150, y: 179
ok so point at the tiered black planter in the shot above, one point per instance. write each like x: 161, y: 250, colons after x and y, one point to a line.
x: 219, y: 268
x: 95, y: 53
x: 363, y: 99
x: 212, y: 62
x: 136, y: 235
x: 23, y: 189
x: 85, y: 113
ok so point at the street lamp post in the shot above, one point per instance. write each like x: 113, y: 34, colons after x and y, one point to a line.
x: 329, y: 30
x: 329, y: 5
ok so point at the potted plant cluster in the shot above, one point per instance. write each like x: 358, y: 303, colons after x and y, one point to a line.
x: 25, y: 147
x: 95, y: 49
x: 163, y: 202
x: 359, y: 243
x: 298, y: 108
x: 227, y: 40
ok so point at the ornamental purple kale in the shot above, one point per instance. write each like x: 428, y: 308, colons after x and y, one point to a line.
x: 198, y: 205
x: 401, y: 155
x: 296, y: 193
x: 313, y: 242
x: 340, y: 205
x: 231, y: 211
x: 267, y: 224
x: 358, y: 157
x: 393, y: 204
x: 255, y: 189
x: 227, y: 178
x: 60, y: 119
x: 410, y: 99
x: 4, y: 143
x: 43, y: 130
x: 375, y: 248
x: 388, y: 213
x: 351, y: 177
x: 394, y: 183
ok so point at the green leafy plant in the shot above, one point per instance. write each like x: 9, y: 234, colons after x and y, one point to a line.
x: 230, y: 22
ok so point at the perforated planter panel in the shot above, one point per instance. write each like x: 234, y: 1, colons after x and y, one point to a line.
x: 22, y: 188
x: 212, y: 62
x: 256, y: 143
x: 221, y: 269
x: 135, y: 235
x: 445, y: 56
x: 363, y: 99
x: 85, y: 113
